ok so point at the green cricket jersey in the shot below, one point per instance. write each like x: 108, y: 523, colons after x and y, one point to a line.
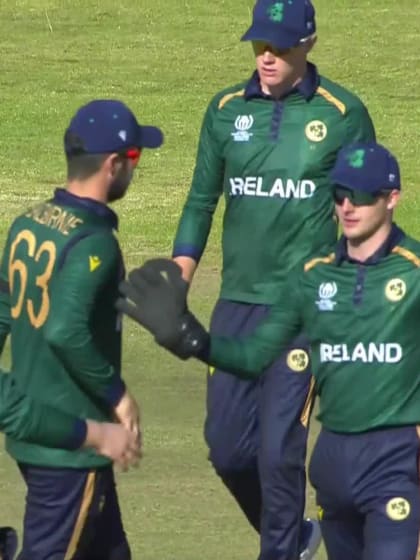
x: 362, y: 321
x: 59, y: 277
x: 271, y: 160
x: 26, y: 419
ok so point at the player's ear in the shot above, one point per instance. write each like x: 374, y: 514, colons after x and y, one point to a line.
x: 394, y: 197
x: 309, y: 43
x: 113, y: 164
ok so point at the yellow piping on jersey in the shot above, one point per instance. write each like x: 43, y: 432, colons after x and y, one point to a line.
x: 318, y: 260
x: 403, y: 252
x: 309, y: 403
x: 230, y: 96
x: 330, y: 97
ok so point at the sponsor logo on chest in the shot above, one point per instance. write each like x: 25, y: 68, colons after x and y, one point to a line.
x: 243, y: 123
x: 280, y: 188
x: 326, y: 292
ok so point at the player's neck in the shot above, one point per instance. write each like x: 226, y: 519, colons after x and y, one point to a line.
x: 363, y: 248
x: 88, y: 189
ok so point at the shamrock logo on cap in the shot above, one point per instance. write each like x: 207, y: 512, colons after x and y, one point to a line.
x: 275, y: 12
x: 357, y: 158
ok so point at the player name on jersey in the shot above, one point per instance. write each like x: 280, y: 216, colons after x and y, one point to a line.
x: 54, y: 217
x: 387, y: 352
x: 287, y: 188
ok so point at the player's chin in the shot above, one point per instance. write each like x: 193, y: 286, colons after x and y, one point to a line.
x: 351, y: 231
x: 357, y: 234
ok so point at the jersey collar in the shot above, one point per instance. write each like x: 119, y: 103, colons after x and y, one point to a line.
x: 307, y: 87
x: 394, y: 238
x: 62, y: 196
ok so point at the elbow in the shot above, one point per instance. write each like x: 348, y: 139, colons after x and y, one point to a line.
x: 56, y: 335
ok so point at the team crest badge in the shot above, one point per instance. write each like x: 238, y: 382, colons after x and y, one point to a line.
x: 297, y: 359
x: 398, y: 509
x: 316, y: 131
x: 395, y: 289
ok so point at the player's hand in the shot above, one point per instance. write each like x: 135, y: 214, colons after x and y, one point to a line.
x: 115, y: 442
x: 128, y: 413
x: 156, y: 298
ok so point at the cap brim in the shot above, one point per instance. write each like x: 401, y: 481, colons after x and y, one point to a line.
x: 282, y: 40
x: 150, y: 137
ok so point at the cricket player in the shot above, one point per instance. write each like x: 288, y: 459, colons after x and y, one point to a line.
x: 359, y: 305
x: 25, y: 419
x: 59, y: 277
x: 267, y: 145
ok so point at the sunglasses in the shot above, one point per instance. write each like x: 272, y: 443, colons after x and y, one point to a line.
x: 133, y: 155
x: 357, y: 198
x: 260, y: 47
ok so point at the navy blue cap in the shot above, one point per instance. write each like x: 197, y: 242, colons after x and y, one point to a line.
x: 282, y: 24
x: 366, y: 166
x: 106, y: 126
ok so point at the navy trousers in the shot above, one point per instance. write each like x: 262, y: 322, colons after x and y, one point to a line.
x: 257, y: 433
x: 72, y: 514
x: 368, y: 492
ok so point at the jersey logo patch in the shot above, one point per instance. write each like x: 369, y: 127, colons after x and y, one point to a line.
x: 242, y: 124
x: 94, y: 262
x: 395, y: 289
x: 326, y: 291
x: 398, y: 509
x: 297, y: 359
x: 316, y: 131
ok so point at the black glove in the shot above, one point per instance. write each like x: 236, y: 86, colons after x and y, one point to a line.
x: 156, y: 298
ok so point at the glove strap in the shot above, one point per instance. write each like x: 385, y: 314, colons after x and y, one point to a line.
x: 192, y: 339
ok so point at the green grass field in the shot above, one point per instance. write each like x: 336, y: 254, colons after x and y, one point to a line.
x: 166, y: 59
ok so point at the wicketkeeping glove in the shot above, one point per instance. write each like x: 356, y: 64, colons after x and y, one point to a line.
x: 156, y: 298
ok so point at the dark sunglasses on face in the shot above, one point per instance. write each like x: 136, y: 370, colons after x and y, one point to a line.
x: 260, y: 47
x: 357, y: 198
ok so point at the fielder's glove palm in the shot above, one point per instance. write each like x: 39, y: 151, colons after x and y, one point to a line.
x: 156, y: 298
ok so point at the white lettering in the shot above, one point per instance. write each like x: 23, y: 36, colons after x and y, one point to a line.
x: 259, y: 191
x: 393, y: 353
x: 376, y: 353
x: 359, y: 353
x: 337, y: 354
x: 236, y: 186
x: 277, y: 189
x: 292, y: 189
x: 306, y: 189
x: 346, y: 355
x: 389, y: 353
x: 325, y: 352
x: 254, y: 186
